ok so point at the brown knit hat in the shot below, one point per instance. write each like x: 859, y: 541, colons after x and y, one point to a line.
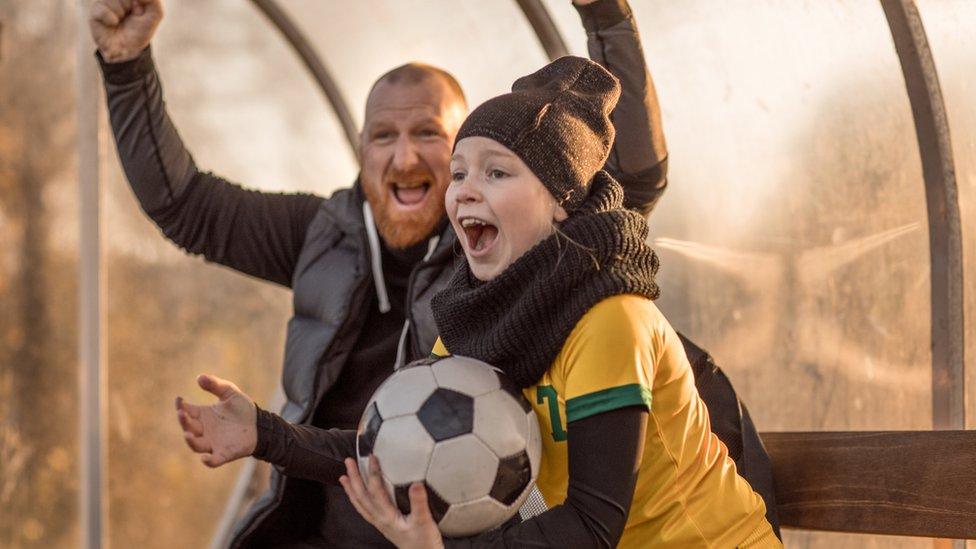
x: 557, y: 120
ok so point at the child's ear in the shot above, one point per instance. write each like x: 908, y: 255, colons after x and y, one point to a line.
x: 560, y: 214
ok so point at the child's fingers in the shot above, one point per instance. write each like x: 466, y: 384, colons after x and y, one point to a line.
x: 191, y: 410
x: 419, y: 509
x: 377, y: 492
x: 355, y: 480
x: 219, y: 387
x: 357, y: 491
x: 354, y: 499
x: 213, y: 460
x: 199, y: 445
x: 189, y: 424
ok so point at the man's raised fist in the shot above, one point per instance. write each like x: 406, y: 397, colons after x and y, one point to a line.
x: 123, y: 28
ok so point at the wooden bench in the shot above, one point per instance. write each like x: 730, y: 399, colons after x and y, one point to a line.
x: 903, y: 483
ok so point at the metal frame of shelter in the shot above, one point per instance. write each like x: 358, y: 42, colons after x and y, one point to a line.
x: 941, y: 192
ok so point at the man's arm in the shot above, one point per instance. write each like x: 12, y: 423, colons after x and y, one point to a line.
x: 639, y: 155
x: 260, y: 234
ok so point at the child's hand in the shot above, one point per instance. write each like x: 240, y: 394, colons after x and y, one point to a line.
x: 224, y: 431
x: 416, y: 530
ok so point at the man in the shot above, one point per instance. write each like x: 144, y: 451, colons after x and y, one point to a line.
x: 364, y: 263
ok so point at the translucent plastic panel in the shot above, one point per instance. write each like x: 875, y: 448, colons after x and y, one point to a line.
x: 247, y: 111
x: 949, y: 27
x: 244, y: 100
x: 797, y: 210
x: 38, y: 274
x: 793, y: 237
x: 485, y: 45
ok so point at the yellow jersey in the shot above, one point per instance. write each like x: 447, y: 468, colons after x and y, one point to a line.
x: 623, y: 352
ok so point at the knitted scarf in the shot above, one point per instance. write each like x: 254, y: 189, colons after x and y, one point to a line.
x: 519, y: 320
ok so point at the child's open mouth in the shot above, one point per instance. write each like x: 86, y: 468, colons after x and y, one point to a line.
x: 479, y: 234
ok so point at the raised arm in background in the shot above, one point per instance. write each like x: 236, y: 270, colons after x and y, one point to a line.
x: 639, y: 158
x: 260, y: 234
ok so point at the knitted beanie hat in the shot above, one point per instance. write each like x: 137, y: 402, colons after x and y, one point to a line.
x: 557, y: 120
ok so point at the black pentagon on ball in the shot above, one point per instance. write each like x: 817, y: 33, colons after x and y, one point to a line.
x: 447, y: 414
x: 509, y: 387
x: 371, y: 426
x: 438, y: 507
x: 514, y: 474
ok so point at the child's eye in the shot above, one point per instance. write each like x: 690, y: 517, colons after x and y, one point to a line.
x: 496, y: 174
x: 458, y: 176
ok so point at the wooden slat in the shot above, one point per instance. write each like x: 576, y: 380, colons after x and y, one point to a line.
x: 907, y: 483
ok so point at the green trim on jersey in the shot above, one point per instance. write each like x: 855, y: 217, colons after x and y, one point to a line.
x: 606, y: 400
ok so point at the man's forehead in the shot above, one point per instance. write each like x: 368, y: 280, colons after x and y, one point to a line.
x: 427, y: 97
x: 412, y: 113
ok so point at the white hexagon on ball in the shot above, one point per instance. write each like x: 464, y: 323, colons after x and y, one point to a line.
x: 405, y: 391
x: 462, y: 469
x: 473, y: 517
x: 403, y: 449
x: 465, y: 375
x: 499, y: 422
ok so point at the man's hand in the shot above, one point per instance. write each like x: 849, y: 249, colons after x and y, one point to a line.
x: 224, y: 431
x: 123, y: 28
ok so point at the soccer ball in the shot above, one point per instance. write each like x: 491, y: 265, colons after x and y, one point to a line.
x: 460, y: 427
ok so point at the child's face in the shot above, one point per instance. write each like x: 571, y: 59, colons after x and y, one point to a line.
x: 498, y: 207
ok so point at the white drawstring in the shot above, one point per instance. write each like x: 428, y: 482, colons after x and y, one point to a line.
x: 431, y: 246
x: 375, y: 260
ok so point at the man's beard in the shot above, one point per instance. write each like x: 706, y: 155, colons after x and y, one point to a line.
x: 402, y: 229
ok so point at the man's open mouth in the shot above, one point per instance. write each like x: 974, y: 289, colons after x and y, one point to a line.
x: 478, y: 233
x: 410, y: 194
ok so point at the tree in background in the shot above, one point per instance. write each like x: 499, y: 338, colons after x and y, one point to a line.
x: 37, y: 287
x: 169, y: 318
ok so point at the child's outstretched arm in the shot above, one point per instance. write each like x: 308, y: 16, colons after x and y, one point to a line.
x: 235, y: 427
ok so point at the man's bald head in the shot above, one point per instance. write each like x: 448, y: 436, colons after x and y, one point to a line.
x: 415, y: 73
